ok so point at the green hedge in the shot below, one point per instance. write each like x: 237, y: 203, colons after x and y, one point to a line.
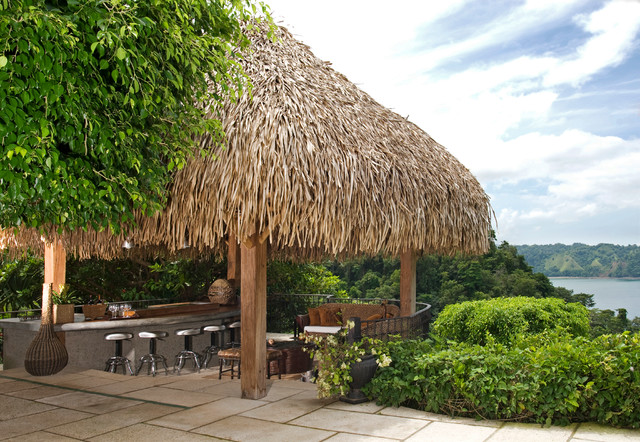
x: 550, y: 378
x: 505, y: 318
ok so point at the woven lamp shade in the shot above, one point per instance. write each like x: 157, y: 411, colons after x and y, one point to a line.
x: 46, y: 355
x: 221, y: 292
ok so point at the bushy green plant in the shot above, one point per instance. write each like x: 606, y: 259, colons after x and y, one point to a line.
x: 549, y: 378
x: 505, y: 318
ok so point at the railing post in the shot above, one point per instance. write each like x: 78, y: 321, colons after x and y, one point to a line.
x: 355, y: 333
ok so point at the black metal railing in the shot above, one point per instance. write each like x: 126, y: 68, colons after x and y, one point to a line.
x: 415, y: 326
x: 282, y: 310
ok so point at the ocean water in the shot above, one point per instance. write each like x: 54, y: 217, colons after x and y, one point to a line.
x: 609, y: 293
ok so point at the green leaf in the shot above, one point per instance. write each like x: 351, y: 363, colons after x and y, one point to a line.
x: 3, y: 61
x: 121, y: 53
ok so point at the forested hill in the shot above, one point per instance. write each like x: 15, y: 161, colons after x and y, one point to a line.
x: 581, y: 260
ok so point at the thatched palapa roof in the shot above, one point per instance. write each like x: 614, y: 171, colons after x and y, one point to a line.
x: 318, y: 166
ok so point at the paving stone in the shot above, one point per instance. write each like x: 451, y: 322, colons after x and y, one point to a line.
x: 104, y: 423
x: 287, y: 409
x: 206, y: 414
x: 601, y: 433
x: 13, y: 407
x: 418, y: 414
x: 26, y: 424
x: 532, y: 433
x: 38, y: 392
x: 40, y: 436
x: 361, y: 423
x: 346, y: 437
x: 171, y: 396
x: 446, y: 432
x: 11, y: 386
x: 150, y: 433
x: 89, y: 402
x: 240, y: 428
x: 367, y: 407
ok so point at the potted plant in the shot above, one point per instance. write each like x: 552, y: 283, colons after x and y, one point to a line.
x: 345, y: 365
x: 64, y: 300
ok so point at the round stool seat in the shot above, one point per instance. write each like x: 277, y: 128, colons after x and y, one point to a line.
x: 214, y: 328
x: 233, y: 327
x: 214, y: 347
x: 152, y: 358
x: 230, y: 353
x: 117, y: 359
x: 153, y: 335
x: 118, y: 336
x: 187, y: 353
x: 189, y: 332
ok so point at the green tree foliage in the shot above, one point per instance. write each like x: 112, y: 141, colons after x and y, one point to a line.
x: 444, y: 280
x: 581, y: 260
x: 503, y: 319
x: 117, y: 280
x: 101, y: 100
x: 21, y: 283
x: 284, y: 277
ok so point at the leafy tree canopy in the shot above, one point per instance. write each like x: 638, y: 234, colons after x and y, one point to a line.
x: 101, y: 100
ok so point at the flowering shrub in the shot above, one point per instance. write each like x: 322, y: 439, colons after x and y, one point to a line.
x: 334, y: 356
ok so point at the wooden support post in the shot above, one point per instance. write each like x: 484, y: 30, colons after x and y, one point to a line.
x: 55, y: 265
x: 407, y: 283
x: 234, y: 261
x: 253, y: 310
x: 55, y: 269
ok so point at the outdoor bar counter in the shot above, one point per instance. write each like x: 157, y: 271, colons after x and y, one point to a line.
x: 87, y: 348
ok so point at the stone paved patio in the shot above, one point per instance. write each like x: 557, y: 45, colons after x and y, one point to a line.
x: 98, y: 406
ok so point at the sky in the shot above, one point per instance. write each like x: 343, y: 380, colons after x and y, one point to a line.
x: 539, y: 99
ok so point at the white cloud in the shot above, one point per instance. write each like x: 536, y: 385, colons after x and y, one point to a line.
x: 481, y: 113
x: 614, y: 28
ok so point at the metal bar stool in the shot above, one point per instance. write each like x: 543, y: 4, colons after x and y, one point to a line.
x: 187, y: 353
x: 234, y: 327
x: 152, y: 358
x: 214, y: 348
x: 117, y: 359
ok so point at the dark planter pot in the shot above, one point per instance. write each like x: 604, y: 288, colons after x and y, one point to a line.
x: 361, y: 372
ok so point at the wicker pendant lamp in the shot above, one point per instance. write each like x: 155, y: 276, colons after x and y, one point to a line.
x: 46, y: 355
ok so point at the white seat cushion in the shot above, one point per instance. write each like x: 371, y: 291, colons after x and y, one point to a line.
x: 328, y: 329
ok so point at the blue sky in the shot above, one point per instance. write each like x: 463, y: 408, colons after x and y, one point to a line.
x: 539, y: 99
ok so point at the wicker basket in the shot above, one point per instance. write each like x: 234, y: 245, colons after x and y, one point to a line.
x: 63, y: 313
x: 221, y: 292
x: 94, y: 311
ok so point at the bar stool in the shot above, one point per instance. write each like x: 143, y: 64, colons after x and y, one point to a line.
x: 187, y: 353
x: 213, y: 349
x: 232, y: 355
x: 152, y: 358
x: 117, y: 359
x: 234, y: 327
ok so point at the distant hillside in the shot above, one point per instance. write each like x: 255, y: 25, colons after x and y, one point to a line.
x: 581, y: 260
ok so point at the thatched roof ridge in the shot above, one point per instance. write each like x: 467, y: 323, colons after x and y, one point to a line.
x: 319, y: 165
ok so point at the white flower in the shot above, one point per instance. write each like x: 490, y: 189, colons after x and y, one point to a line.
x: 384, y: 361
